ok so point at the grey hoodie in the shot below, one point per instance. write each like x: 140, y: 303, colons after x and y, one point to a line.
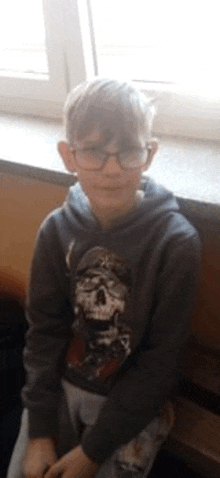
x: 109, y: 310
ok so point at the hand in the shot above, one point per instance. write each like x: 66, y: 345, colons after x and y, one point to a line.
x: 40, y: 456
x: 74, y: 464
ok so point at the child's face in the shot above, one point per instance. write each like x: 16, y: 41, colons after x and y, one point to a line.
x: 112, y: 191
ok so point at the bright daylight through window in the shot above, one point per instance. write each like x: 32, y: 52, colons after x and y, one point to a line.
x: 22, y: 38
x: 159, y: 41
x: 48, y: 47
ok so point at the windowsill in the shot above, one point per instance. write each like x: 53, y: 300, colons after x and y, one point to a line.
x: 188, y: 167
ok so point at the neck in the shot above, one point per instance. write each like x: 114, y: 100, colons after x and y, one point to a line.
x: 108, y: 218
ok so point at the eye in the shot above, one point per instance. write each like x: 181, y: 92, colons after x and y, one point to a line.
x: 95, y: 154
x: 134, y: 156
x: 88, y: 283
x: 129, y: 152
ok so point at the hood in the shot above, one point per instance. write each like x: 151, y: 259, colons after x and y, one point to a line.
x: 156, y: 201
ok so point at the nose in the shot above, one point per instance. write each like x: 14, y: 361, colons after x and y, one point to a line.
x: 112, y: 165
x: 100, y: 297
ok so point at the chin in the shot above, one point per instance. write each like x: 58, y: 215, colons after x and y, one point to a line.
x: 116, y: 204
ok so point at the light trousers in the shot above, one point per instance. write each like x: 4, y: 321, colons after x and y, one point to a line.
x: 79, y: 411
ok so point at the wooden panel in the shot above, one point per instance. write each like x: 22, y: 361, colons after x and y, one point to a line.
x: 206, y: 314
x: 202, y: 366
x: 195, y: 437
x: 24, y: 204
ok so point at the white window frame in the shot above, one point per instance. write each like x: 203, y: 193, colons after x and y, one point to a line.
x: 67, y: 64
x: 71, y: 60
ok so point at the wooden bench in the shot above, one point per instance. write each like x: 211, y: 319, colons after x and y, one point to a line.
x: 195, y: 436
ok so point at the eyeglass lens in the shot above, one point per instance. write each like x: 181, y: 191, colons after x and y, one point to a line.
x: 94, y: 160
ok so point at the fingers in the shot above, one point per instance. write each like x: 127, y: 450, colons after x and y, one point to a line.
x: 54, y: 471
x: 40, y: 457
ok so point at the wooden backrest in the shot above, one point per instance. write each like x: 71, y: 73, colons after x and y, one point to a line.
x: 195, y: 436
x: 206, y: 314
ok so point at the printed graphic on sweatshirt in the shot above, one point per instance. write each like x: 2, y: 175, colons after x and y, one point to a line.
x: 102, y: 340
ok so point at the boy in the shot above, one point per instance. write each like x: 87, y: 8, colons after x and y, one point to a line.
x: 112, y: 281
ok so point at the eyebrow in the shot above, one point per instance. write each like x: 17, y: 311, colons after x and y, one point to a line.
x: 124, y: 145
x: 92, y: 143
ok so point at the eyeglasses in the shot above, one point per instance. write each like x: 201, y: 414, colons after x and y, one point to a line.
x: 92, y: 159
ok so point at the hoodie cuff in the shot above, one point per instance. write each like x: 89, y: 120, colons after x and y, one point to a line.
x: 42, y: 424
x: 98, y: 445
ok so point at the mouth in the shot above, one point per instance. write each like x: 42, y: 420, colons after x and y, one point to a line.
x: 112, y: 188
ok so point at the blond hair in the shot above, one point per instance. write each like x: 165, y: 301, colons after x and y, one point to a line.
x: 111, y: 106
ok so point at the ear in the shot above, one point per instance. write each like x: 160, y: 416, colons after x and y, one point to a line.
x: 153, y: 147
x: 67, y: 156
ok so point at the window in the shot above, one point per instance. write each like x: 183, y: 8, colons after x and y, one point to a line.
x: 41, y: 55
x: 167, y: 46
x: 23, y: 50
x: 172, y: 50
x: 159, y: 41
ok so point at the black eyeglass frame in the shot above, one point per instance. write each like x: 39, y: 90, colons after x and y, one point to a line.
x: 107, y: 156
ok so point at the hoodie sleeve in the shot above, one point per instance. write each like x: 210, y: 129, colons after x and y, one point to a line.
x: 138, y: 396
x: 49, y: 317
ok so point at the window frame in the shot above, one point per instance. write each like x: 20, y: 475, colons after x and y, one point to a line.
x: 67, y: 65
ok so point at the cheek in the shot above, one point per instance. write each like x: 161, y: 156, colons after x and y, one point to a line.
x: 86, y: 179
x: 135, y: 180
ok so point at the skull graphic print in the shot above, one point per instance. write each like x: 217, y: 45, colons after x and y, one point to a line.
x: 102, y: 340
